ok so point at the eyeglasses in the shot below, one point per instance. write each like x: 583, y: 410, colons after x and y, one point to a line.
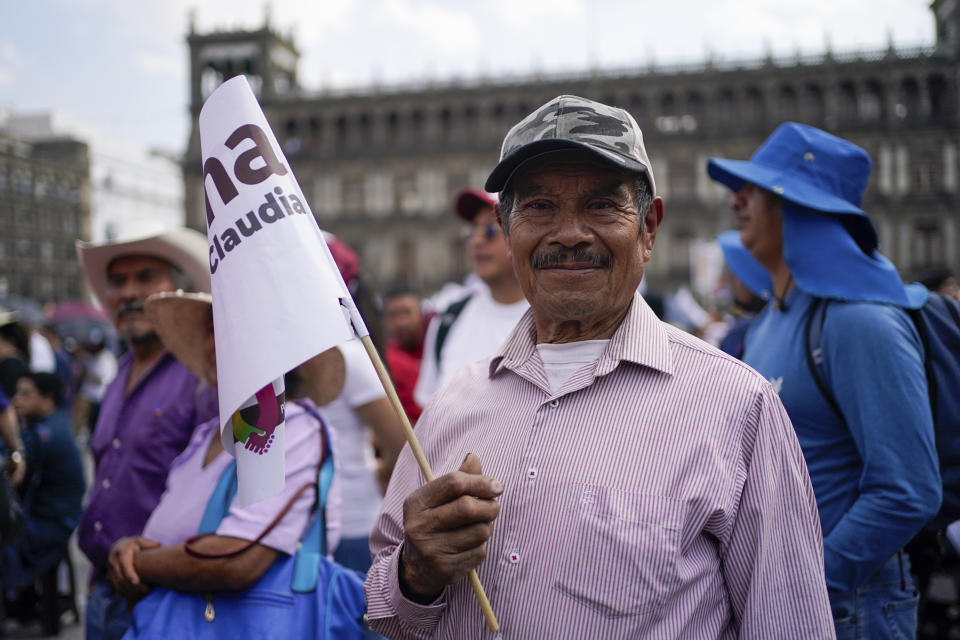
x: 487, y: 231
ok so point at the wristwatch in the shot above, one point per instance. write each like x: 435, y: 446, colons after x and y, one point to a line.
x: 16, y: 457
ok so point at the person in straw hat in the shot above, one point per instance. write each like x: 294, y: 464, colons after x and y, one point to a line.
x: 157, y: 555
x: 149, y: 410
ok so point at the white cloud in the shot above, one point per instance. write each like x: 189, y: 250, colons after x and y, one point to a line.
x: 9, y: 51
x: 6, y: 77
x: 158, y: 63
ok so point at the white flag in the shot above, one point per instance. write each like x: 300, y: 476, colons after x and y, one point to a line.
x: 278, y: 298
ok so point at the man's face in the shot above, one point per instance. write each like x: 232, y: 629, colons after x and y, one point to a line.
x: 759, y: 222
x: 577, y: 240
x: 404, y: 319
x: 130, y: 281
x: 28, y: 402
x: 488, y: 249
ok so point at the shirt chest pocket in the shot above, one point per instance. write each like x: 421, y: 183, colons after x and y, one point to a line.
x: 620, y: 550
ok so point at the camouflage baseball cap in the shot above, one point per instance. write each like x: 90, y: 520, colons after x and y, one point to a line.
x: 570, y: 122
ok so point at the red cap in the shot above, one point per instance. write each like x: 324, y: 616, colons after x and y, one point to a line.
x: 469, y: 201
x: 347, y: 261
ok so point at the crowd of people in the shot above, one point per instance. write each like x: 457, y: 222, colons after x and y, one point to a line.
x: 606, y: 473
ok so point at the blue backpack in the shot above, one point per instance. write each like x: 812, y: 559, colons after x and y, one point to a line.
x: 938, y: 324
x: 305, y: 595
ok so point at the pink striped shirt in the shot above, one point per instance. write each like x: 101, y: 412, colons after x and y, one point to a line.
x: 661, y: 492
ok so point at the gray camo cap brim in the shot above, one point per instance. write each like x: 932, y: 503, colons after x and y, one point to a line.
x: 571, y: 122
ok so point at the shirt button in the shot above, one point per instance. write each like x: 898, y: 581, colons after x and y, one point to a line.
x: 554, y: 404
x: 97, y: 526
x: 116, y: 443
x: 531, y: 473
x: 514, y: 558
x: 105, y: 484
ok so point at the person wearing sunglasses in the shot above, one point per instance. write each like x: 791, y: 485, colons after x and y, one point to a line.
x: 476, y: 325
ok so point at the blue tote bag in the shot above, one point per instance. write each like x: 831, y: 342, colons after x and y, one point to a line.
x: 305, y: 595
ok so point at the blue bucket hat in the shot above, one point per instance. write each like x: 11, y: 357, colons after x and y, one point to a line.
x: 743, y: 265
x: 830, y: 243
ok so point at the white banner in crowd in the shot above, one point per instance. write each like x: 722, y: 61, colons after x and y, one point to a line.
x: 278, y: 298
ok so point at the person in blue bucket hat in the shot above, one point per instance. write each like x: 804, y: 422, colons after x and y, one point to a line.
x: 873, y: 466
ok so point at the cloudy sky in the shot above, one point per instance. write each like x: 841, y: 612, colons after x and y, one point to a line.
x: 121, y: 66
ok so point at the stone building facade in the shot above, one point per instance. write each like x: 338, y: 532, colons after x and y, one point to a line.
x: 44, y: 208
x: 379, y: 166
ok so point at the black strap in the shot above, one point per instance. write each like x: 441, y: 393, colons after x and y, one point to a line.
x: 815, y: 322
x: 447, y: 319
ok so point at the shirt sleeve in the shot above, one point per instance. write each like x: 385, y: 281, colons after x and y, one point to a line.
x: 427, y: 381
x: 889, y: 418
x: 361, y: 385
x: 772, y: 558
x: 302, y: 453
x: 388, y: 611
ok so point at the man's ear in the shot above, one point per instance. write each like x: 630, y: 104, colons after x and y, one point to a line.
x: 651, y: 222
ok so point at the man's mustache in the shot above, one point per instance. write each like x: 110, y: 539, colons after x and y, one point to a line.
x: 129, y: 307
x: 579, y: 256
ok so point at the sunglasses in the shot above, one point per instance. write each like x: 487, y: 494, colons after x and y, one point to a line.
x: 487, y: 231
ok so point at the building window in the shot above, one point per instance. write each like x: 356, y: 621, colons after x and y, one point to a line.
x: 327, y: 196
x: 847, y: 102
x: 378, y: 192
x: 885, y: 170
x: 871, y: 102
x: 46, y: 250
x: 353, y: 194
x: 950, y: 167
x: 431, y: 183
x: 408, y: 199
x: 902, y: 170
x: 23, y: 247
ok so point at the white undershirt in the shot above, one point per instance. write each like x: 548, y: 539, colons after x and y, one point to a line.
x: 560, y: 361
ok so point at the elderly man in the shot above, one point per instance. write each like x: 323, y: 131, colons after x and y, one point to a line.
x: 608, y: 475
x: 862, y: 414
x: 148, y: 411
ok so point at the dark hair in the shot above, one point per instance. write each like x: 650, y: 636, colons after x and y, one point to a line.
x: 399, y: 288
x: 48, y: 384
x: 17, y: 334
x: 293, y: 385
x: 642, y: 197
x: 933, y: 278
x: 369, y: 308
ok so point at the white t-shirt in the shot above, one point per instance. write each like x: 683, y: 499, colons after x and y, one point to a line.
x: 354, y: 461
x: 101, y: 369
x: 480, y: 329
x: 42, y: 359
x: 560, y: 361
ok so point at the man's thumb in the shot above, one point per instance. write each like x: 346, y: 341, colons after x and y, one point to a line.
x: 471, y: 464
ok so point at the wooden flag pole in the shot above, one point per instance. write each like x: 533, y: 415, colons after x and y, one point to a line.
x: 424, y: 465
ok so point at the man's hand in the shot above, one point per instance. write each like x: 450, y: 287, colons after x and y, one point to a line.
x: 447, y: 523
x: 120, y: 566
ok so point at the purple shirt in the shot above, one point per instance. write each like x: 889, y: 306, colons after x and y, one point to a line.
x: 136, y: 438
x: 660, y: 492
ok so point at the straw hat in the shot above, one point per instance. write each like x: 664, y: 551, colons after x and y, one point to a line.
x: 184, y: 322
x: 184, y: 248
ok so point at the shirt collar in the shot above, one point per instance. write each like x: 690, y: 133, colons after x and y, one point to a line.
x: 640, y: 339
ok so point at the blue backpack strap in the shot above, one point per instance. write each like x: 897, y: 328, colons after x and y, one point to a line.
x: 219, y: 504
x: 313, y: 545
x: 815, y: 359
